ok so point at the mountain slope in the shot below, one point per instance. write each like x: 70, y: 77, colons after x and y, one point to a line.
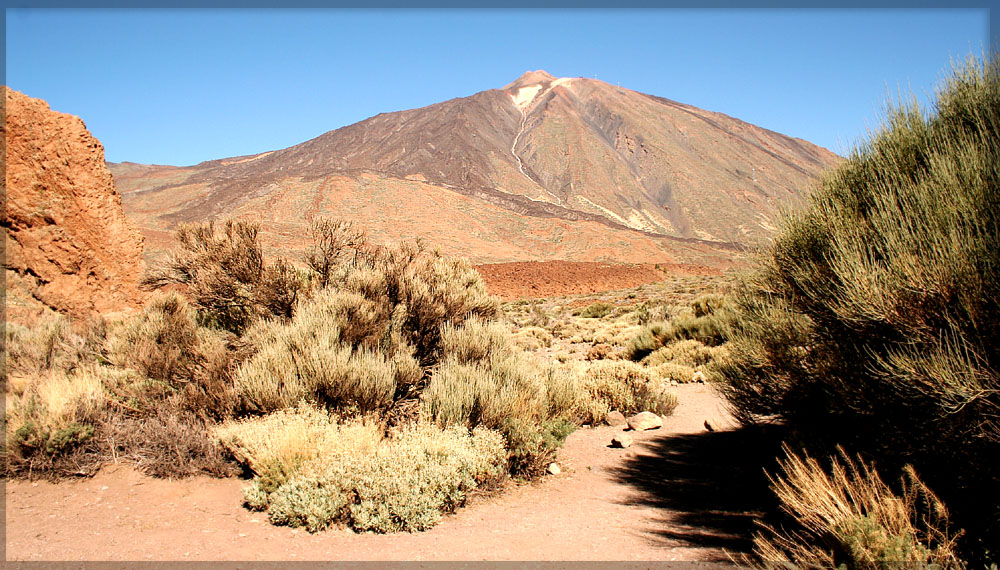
x: 538, y: 150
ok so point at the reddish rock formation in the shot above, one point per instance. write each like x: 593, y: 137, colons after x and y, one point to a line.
x: 63, y: 220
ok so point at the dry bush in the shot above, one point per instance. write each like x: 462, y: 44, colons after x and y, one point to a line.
x: 52, y: 343
x: 50, y: 414
x: 334, y: 243
x: 601, y: 351
x: 850, y: 518
x: 227, y: 276
x: 690, y: 353
x: 672, y: 371
x: 651, y: 312
x: 313, y: 471
x: 533, y: 338
x: 168, y: 442
x: 626, y: 387
x: 165, y: 343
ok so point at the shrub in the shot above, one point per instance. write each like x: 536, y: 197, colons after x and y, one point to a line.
x: 648, y: 340
x: 486, y: 380
x: 312, y: 471
x: 165, y: 343
x: 850, y: 518
x: 875, y: 316
x: 422, y: 290
x: 334, y: 243
x: 337, y: 351
x: 50, y: 414
x: 533, y: 338
x: 51, y: 343
x: 704, y: 321
x: 227, y: 276
x: 595, y: 311
x: 626, y: 387
x: 685, y: 352
x: 679, y: 373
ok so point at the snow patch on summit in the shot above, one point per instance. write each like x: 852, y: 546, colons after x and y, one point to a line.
x: 525, y: 96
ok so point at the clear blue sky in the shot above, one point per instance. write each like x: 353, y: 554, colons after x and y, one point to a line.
x: 183, y: 86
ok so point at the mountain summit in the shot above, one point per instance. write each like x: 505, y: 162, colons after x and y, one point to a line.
x: 530, y: 78
x: 541, y: 148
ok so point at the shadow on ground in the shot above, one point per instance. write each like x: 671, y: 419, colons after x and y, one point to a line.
x: 712, y: 482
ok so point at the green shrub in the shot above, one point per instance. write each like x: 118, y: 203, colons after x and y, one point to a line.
x: 595, y: 311
x: 312, y: 471
x: 874, y: 318
x: 647, y: 341
x: 705, y: 321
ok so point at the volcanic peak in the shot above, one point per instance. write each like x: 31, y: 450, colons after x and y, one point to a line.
x: 529, y: 79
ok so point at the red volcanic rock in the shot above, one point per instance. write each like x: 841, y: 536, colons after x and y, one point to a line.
x: 64, y: 221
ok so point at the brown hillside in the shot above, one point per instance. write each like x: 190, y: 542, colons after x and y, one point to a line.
x: 64, y: 224
x: 494, y: 176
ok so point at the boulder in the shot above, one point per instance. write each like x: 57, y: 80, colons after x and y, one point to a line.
x: 615, y: 419
x: 644, y: 421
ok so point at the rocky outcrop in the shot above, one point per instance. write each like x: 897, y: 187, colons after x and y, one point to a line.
x: 63, y: 221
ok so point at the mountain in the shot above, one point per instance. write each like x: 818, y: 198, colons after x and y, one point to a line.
x: 68, y: 242
x: 543, y: 168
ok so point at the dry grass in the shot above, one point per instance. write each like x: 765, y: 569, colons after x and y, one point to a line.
x: 850, y: 517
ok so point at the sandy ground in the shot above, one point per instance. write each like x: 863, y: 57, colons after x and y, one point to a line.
x: 535, y: 279
x: 659, y: 500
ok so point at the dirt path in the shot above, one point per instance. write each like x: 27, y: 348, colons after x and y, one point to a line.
x: 653, y: 501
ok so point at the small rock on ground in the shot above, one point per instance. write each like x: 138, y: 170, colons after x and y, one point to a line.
x: 554, y: 469
x: 622, y: 440
x: 645, y: 420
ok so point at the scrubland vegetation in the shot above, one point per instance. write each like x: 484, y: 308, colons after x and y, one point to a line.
x: 872, y: 323
x: 375, y: 387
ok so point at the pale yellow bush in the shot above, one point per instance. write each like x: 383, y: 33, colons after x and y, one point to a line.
x: 52, y: 412
x: 687, y: 352
x: 313, y: 471
x: 626, y: 387
x: 338, y: 350
x: 671, y: 371
x: 533, y: 338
